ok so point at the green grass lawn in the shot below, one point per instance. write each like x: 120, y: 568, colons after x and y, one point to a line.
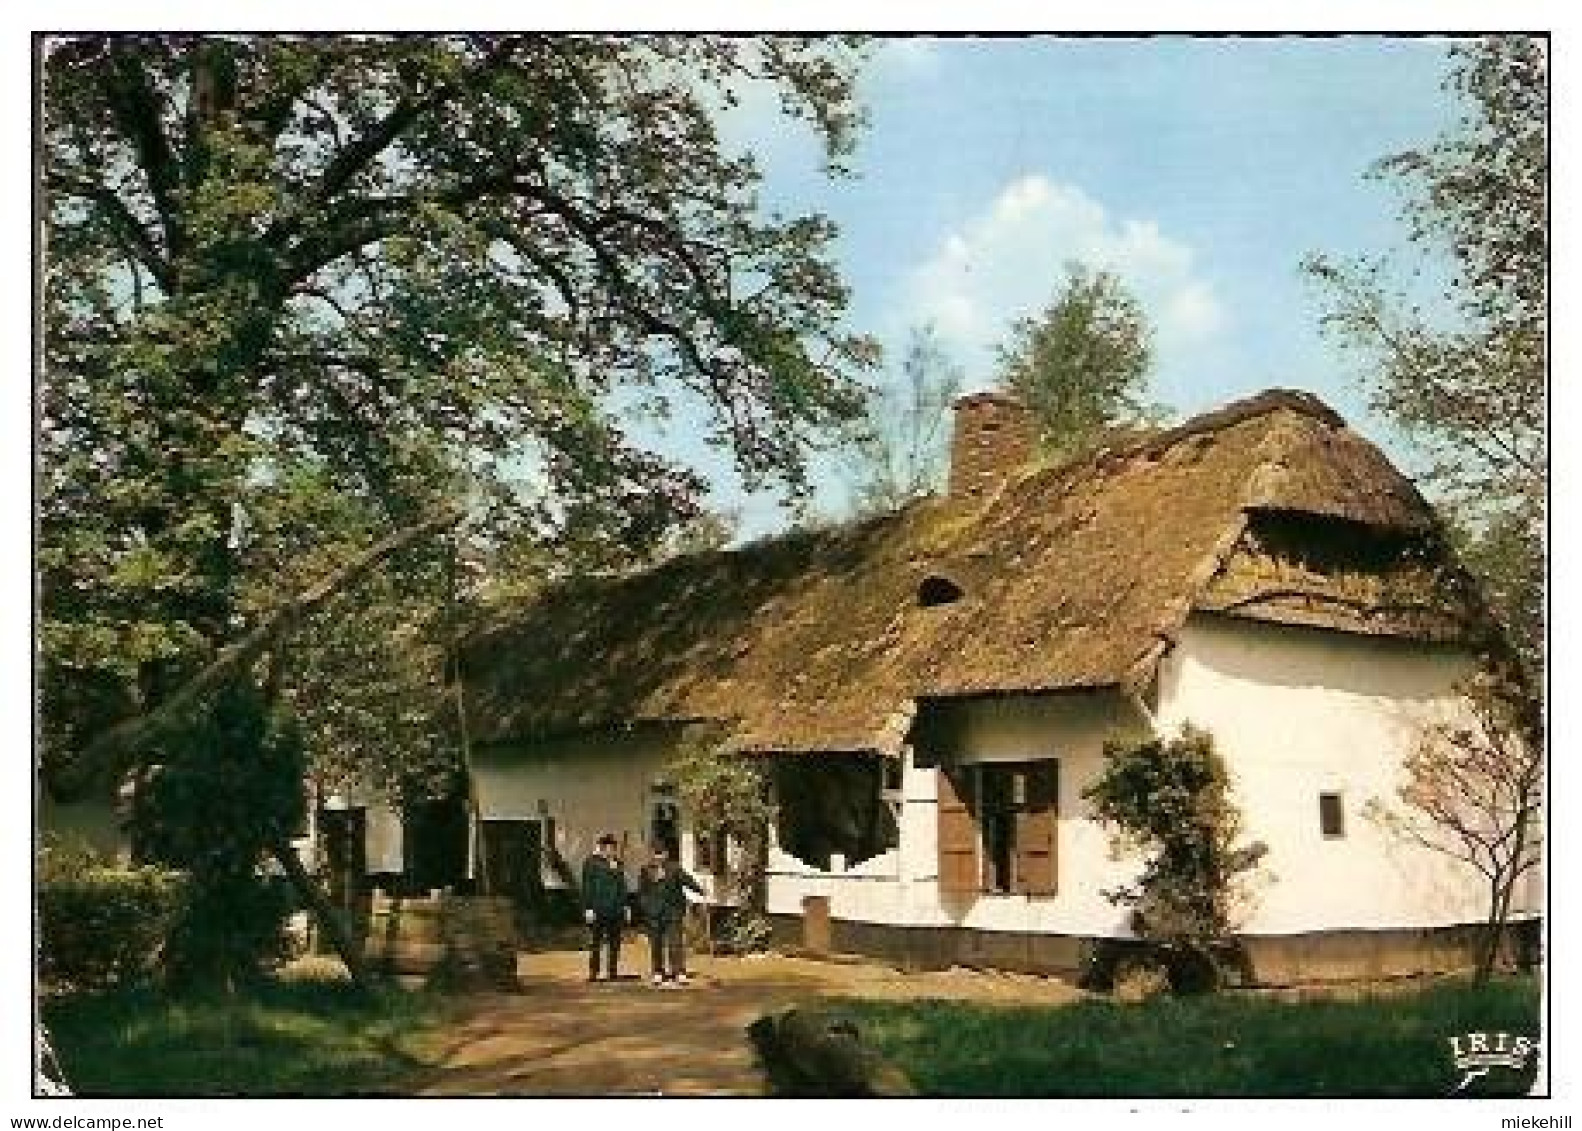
x: 310, y: 1037
x: 1226, y: 1045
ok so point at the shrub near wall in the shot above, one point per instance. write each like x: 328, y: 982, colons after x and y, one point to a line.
x: 104, y: 926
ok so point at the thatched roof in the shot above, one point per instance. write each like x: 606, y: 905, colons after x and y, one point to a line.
x: 1071, y: 577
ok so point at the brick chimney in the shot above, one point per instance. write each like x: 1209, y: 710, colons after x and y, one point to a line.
x: 993, y: 437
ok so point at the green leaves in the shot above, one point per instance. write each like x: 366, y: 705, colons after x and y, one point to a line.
x: 1467, y: 378
x: 1171, y: 799
x: 727, y: 796
x: 1082, y: 364
x: 351, y: 277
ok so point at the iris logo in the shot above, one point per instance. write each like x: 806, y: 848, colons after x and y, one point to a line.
x: 1474, y: 1054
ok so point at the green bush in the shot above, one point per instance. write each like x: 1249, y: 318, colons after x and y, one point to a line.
x: 227, y: 788
x: 100, y: 926
x: 1171, y: 798
x: 743, y: 931
x: 231, y: 928
x: 66, y: 857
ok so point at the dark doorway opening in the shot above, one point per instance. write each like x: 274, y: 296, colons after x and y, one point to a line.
x: 664, y: 828
x: 511, y: 864
x: 434, y: 845
x: 834, y: 804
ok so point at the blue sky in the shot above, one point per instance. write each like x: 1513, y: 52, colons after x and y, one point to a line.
x: 1201, y: 170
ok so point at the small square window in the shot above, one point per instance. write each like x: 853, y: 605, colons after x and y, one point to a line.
x: 1331, y: 816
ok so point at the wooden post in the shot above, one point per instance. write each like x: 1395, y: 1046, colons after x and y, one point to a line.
x: 331, y: 922
x: 815, y: 924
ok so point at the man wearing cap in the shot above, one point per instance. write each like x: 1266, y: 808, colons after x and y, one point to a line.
x: 604, y: 906
x: 662, y: 887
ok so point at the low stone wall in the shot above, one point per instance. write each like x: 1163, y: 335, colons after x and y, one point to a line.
x: 1344, y: 955
x: 939, y: 948
x: 1275, y: 960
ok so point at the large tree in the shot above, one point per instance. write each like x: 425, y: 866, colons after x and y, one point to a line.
x: 308, y: 299
x: 1466, y: 377
x: 1081, y: 364
x: 1463, y: 371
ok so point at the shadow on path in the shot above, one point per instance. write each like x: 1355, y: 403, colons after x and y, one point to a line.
x: 563, y: 1036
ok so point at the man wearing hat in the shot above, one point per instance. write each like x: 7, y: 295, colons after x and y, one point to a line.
x: 604, y: 906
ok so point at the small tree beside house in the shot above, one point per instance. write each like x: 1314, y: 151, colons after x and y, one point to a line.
x: 1171, y: 799
x: 727, y: 802
x: 1472, y: 790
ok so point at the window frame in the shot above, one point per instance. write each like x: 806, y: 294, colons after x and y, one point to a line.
x: 1331, y: 802
x: 1029, y: 813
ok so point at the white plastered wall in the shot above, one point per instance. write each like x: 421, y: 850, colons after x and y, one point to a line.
x: 1297, y: 712
x: 902, y: 887
x: 587, y: 784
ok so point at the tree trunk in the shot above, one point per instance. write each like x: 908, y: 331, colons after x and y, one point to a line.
x: 811, y: 1055
x: 1493, y: 929
x: 1500, y: 911
x: 329, y: 919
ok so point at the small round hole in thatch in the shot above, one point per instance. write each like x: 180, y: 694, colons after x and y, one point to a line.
x: 936, y: 590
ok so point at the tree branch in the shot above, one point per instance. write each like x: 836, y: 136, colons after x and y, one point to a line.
x: 135, y: 106
x: 134, y: 236
x: 133, y: 734
x: 358, y: 154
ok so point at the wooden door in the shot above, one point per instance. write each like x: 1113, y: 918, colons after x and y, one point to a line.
x: 512, y: 854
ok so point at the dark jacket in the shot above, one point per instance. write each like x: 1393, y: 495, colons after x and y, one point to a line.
x: 603, y: 887
x: 660, y: 894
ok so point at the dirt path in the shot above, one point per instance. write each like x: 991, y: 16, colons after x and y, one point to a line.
x: 563, y: 1036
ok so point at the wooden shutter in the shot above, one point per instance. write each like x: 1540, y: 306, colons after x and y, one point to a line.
x: 1036, y: 825
x: 958, y: 834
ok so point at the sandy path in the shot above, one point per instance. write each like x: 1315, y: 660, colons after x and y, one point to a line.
x: 562, y: 1036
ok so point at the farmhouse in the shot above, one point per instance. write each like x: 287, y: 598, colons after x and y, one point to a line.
x: 930, y: 692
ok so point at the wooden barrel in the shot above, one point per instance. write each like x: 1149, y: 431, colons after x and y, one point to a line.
x: 465, y: 939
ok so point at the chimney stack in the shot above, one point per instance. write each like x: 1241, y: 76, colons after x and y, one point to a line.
x: 993, y: 438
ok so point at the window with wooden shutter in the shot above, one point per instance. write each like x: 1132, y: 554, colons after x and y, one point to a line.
x: 1037, y: 821
x: 958, y: 834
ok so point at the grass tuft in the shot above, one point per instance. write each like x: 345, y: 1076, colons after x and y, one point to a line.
x: 1392, y: 1044
x: 313, y: 1036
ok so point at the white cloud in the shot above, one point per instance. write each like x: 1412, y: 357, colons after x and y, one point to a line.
x: 1193, y: 312
x: 1008, y: 260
